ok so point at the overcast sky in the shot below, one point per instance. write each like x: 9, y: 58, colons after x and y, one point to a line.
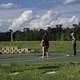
x: 18, y: 14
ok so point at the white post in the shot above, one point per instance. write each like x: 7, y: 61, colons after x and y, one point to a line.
x: 11, y: 36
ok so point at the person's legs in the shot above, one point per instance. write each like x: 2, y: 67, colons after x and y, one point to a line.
x: 46, y: 52
x: 74, y: 48
x: 43, y: 52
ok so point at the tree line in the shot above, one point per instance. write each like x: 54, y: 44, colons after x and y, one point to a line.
x: 57, y: 33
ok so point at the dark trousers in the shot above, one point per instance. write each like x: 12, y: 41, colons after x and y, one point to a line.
x: 74, y: 48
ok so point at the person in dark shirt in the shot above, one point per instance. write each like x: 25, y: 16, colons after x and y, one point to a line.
x: 45, y: 45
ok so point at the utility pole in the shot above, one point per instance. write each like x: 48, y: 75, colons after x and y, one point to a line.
x: 11, y: 36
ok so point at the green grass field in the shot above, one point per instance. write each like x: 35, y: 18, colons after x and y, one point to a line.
x: 44, y: 71
x: 48, y: 69
x: 58, y: 46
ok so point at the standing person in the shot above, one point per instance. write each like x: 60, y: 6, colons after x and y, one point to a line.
x: 73, y: 34
x: 45, y: 45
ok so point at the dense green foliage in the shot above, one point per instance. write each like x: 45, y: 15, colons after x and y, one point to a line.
x: 57, y: 33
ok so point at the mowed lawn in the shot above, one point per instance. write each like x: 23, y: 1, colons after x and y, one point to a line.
x: 46, y: 70
x: 58, y: 46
